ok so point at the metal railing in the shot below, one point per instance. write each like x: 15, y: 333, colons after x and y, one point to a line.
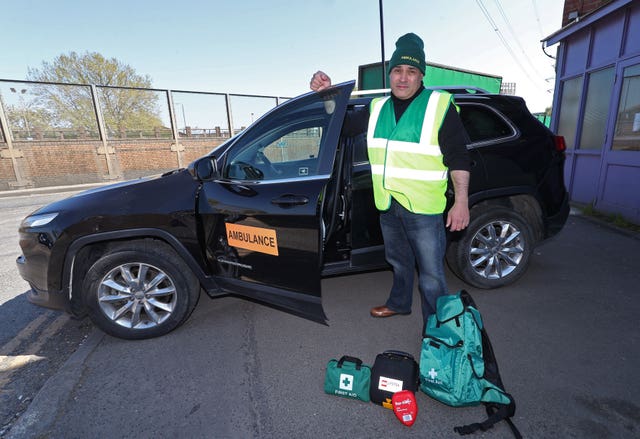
x: 40, y: 111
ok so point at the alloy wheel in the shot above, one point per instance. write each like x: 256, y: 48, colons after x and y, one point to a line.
x: 137, y: 295
x: 496, y: 250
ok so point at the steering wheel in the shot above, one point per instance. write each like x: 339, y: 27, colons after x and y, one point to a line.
x: 250, y: 171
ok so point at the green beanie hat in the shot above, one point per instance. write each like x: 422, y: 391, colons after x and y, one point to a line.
x: 409, y: 51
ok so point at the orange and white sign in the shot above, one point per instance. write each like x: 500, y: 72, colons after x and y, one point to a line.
x: 252, y: 238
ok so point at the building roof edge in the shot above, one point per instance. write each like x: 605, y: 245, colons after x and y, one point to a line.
x: 584, y: 21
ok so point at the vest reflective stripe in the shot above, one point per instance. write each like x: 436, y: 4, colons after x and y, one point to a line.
x: 436, y: 110
x: 406, y: 160
x: 410, y: 147
x: 414, y: 148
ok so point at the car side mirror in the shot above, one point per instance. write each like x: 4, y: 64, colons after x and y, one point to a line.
x: 205, y: 169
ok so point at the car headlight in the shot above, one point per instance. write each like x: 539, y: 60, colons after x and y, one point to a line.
x: 39, y: 220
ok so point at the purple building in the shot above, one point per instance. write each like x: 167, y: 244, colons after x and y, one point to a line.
x: 596, y: 105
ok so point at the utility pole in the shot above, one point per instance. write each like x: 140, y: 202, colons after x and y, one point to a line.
x: 384, y: 74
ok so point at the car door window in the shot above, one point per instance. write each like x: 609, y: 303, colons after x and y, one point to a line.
x: 484, y: 124
x: 295, y: 140
x: 295, y: 154
x: 360, y: 149
x: 288, y: 152
x: 288, y: 147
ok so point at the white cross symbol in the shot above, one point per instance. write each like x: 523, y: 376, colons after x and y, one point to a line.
x: 433, y: 374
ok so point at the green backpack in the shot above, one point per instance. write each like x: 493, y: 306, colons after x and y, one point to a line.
x: 457, y: 363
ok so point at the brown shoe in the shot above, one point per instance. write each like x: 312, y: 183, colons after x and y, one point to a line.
x: 383, y: 311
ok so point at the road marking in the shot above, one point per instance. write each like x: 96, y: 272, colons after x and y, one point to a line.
x: 25, y: 333
x: 11, y: 363
x: 47, y: 332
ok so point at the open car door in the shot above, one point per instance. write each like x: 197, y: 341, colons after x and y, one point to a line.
x: 261, y: 212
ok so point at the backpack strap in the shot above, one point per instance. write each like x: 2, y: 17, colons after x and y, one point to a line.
x: 496, y: 413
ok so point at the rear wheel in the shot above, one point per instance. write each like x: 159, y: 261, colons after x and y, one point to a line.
x: 494, y: 250
x: 140, y: 290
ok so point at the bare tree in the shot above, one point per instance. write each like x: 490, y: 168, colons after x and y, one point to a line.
x: 124, y: 106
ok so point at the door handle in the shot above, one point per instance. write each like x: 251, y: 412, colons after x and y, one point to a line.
x: 290, y: 200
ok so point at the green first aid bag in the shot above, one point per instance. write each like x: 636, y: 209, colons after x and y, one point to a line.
x: 348, y: 377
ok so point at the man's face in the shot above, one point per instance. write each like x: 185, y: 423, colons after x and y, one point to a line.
x: 405, y: 81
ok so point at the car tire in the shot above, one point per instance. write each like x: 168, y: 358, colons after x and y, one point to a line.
x: 494, y: 250
x: 141, y: 290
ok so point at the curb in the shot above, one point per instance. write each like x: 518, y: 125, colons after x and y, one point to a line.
x: 577, y: 211
x: 51, y: 399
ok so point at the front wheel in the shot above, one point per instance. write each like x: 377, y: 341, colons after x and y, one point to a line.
x: 140, y: 291
x: 494, y: 250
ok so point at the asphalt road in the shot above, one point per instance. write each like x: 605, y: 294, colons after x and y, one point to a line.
x: 34, y: 342
x: 566, y: 338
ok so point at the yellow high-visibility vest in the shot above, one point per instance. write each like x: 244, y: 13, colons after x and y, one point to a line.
x: 406, y: 160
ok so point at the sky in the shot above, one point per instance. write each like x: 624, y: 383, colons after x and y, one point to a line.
x: 272, y: 47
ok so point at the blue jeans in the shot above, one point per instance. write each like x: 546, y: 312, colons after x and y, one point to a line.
x: 414, y: 240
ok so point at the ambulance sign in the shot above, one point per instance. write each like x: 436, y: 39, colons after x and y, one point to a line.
x: 252, y: 238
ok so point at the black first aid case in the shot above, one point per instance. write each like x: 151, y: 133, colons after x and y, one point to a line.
x: 392, y: 372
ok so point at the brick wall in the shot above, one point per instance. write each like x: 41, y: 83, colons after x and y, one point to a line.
x: 581, y: 7
x: 6, y: 171
x: 43, y: 164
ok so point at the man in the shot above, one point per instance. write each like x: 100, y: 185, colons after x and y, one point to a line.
x: 414, y: 139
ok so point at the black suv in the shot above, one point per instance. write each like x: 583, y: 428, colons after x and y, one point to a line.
x: 275, y: 208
